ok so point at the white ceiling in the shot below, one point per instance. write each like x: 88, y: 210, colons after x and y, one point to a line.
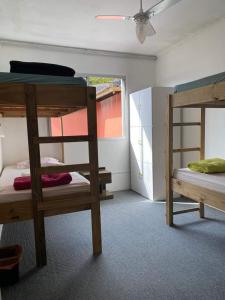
x: 72, y: 23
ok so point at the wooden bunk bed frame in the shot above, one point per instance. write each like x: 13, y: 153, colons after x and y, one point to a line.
x: 210, y: 96
x: 49, y: 100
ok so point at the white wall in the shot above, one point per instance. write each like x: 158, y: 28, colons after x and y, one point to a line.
x: 114, y: 154
x: 197, y: 56
x: 15, y: 145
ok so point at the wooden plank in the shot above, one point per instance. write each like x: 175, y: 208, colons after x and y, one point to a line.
x: 204, y: 95
x: 66, y: 201
x: 62, y: 139
x: 62, y: 144
x: 94, y: 182
x: 202, y: 153
x: 34, y: 154
x: 186, y: 150
x: 69, y: 95
x: 199, y: 194
x: 111, y: 91
x: 213, y: 104
x: 42, y: 111
x: 52, y: 100
x: 63, y: 168
x: 185, y: 211
x: 104, y: 176
x: 16, y: 211
x: 219, y: 91
x: 202, y: 134
x: 67, y: 210
x: 187, y: 124
x: 169, y: 162
x: 12, y: 94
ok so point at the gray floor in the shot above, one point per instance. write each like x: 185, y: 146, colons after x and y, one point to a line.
x: 142, y: 257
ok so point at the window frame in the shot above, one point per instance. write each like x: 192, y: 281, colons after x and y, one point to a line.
x: 123, y: 108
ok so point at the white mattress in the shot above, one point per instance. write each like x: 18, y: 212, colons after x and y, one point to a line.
x: 215, y: 182
x: 8, y: 194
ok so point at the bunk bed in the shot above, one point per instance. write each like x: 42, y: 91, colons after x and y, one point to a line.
x: 51, y: 96
x: 203, y: 188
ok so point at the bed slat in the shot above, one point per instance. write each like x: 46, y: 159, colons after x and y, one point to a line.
x: 62, y: 139
x: 186, y: 149
x: 64, y: 168
x: 187, y: 124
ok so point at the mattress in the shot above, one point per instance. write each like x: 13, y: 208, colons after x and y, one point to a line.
x: 215, y: 182
x: 8, y: 194
x: 40, y: 79
x: 200, y: 83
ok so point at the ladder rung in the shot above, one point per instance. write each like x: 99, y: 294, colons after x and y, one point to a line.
x: 187, y: 124
x: 61, y: 139
x: 185, y: 211
x: 186, y: 150
x: 63, y: 168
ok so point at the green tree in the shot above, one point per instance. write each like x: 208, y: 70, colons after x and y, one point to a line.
x: 99, y: 80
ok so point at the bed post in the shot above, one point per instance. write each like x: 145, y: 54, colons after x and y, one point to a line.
x: 93, y: 161
x: 169, y: 162
x: 34, y: 154
x: 62, y: 144
x: 202, y: 154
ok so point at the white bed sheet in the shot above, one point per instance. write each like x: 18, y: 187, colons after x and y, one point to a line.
x: 215, y: 182
x: 8, y: 194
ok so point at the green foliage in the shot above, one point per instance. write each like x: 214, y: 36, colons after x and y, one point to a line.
x: 99, y: 80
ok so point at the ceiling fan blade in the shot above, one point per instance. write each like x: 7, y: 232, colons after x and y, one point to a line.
x: 113, y: 17
x: 144, y: 29
x: 140, y: 32
x: 159, y: 7
x: 149, y: 29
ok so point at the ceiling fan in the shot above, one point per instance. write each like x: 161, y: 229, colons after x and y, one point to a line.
x: 144, y: 27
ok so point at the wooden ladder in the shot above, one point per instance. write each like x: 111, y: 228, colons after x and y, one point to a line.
x: 34, y: 142
x: 169, y: 160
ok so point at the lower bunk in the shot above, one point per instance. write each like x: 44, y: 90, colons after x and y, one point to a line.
x: 17, y: 205
x: 206, y: 189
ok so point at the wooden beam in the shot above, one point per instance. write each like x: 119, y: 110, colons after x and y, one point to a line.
x: 63, y: 168
x: 69, y: 95
x: 169, y: 162
x: 34, y: 154
x: 202, y: 153
x: 199, y: 194
x: 186, y: 150
x: 22, y: 210
x: 62, y: 139
x: 213, y: 93
x: 187, y: 124
x: 185, y: 211
x: 66, y: 201
x: 94, y: 182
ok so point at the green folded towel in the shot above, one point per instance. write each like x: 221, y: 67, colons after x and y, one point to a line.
x: 213, y: 165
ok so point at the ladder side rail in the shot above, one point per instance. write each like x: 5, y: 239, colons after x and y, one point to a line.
x: 202, y: 153
x: 94, y: 180
x: 169, y: 162
x: 35, y: 164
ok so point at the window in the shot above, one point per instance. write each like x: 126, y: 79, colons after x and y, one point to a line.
x: 109, y: 111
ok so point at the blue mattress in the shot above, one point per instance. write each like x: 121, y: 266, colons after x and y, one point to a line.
x: 40, y: 79
x: 200, y: 83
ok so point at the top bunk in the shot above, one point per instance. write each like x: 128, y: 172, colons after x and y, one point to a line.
x: 55, y: 95
x: 206, y: 92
